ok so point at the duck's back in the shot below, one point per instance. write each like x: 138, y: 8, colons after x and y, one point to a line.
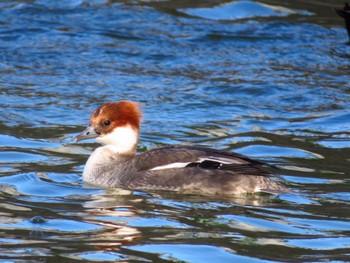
x: 198, y: 170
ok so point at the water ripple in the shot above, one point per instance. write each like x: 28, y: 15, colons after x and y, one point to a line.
x: 271, y: 81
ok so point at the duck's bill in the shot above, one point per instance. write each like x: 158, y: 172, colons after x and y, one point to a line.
x: 88, y: 133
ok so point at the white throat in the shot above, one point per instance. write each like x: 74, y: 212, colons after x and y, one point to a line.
x: 123, y: 139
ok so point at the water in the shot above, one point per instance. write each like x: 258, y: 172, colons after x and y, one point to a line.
x: 272, y: 86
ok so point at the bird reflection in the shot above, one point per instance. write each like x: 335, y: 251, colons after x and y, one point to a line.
x: 345, y: 14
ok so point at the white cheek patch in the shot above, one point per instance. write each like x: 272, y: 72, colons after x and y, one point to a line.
x: 124, y: 139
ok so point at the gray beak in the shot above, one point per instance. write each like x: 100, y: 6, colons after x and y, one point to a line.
x: 88, y: 133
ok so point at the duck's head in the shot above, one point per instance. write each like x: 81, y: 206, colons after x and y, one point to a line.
x: 116, y: 124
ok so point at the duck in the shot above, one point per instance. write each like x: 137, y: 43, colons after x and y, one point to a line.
x: 179, y: 168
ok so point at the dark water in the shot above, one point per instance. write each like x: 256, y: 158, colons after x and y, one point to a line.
x: 270, y: 83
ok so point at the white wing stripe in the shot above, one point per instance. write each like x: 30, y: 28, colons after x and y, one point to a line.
x: 221, y: 160
x: 171, y: 165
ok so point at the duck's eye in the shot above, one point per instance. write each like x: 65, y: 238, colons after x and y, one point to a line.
x: 106, y: 123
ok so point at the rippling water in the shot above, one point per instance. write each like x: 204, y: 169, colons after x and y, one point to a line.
x: 270, y: 81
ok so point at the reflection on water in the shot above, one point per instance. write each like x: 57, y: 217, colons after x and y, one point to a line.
x: 268, y: 86
x: 240, y: 10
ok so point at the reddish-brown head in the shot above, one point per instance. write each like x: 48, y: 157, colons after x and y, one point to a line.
x: 116, y: 124
x: 116, y: 114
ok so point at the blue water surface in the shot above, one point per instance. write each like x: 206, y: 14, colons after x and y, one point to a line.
x: 269, y: 79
